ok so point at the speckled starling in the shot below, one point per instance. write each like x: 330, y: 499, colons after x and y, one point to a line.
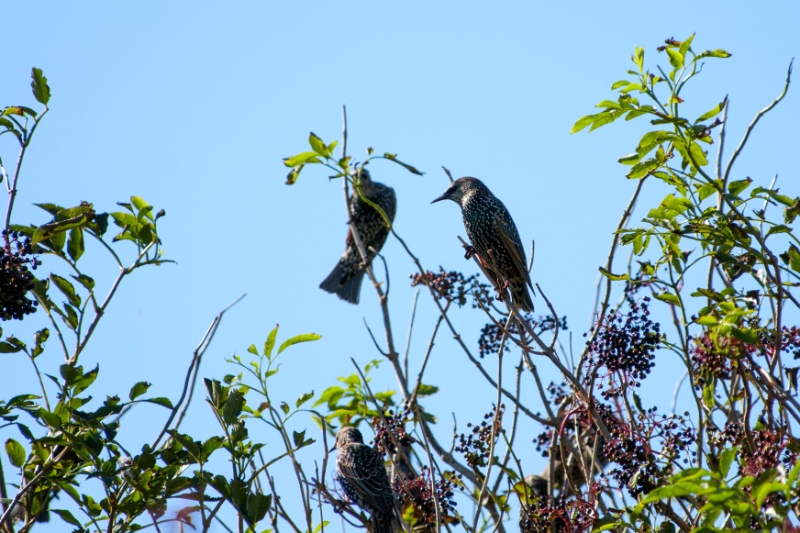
x: 363, y: 478
x: 490, y: 227
x: 345, y: 279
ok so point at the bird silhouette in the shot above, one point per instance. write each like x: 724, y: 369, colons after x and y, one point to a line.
x: 345, y: 278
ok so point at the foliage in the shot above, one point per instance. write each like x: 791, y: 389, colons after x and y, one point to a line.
x: 709, y: 282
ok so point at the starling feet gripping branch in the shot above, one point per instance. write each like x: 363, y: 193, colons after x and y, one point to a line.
x: 490, y: 228
x: 363, y: 478
x: 345, y: 278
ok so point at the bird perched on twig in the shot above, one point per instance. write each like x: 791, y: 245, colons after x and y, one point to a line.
x: 490, y: 228
x: 363, y: 478
x: 345, y: 278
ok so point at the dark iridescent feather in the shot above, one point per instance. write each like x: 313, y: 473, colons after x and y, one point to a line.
x: 490, y: 227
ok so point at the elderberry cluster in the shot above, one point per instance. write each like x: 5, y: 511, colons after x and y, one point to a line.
x: 576, y: 515
x: 454, y: 286
x: 764, y: 454
x: 395, y: 428
x: 710, y: 361
x: 416, y: 492
x: 492, y: 334
x: 16, y: 255
x: 625, y: 344
x: 475, y: 445
x: 791, y: 341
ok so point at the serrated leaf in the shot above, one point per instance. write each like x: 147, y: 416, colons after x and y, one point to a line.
x: 305, y: 337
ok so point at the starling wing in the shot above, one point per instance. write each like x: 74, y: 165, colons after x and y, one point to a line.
x: 513, y: 245
x: 365, y: 473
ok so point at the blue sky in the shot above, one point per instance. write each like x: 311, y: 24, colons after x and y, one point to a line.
x: 193, y: 105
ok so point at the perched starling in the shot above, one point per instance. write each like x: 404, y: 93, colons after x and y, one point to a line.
x: 363, y: 478
x: 490, y: 227
x: 345, y: 279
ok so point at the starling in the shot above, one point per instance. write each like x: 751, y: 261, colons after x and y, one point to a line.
x: 345, y: 279
x: 490, y: 227
x: 363, y: 478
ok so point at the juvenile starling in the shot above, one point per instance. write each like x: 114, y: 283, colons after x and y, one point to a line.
x: 345, y: 278
x: 363, y: 478
x: 490, y: 227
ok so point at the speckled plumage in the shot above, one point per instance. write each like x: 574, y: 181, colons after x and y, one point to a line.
x: 490, y: 227
x: 363, y: 478
x: 345, y: 278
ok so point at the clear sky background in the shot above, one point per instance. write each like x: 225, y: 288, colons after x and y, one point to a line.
x: 193, y: 105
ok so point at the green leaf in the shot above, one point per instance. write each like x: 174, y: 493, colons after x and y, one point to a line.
x: 726, y: 459
x: 141, y: 205
x: 608, y: 104
x: 791, y: 212
x: 716, y: 110
x: 630, y: 159
x: 67, y: 289
x: 643, y: 168
x: 41, y: 91
x: 302, y: 158
x: 617, y: 84
x: 39, y: 338
x: 393, y: 157
x: 291, y: 177
x: 675, y: 58
x: 685, y: 45
x: 164, y: 402
x: 614, y: 277
x: 138, y: 389
x: 317, y: 145
x: 713, y: 53
x: 299, y: 437
x: 582, y: 123
x: 735, y: 187
x: 84, y: 280
x: 67, y: 517
x: 270, y: 342
x: 305, y: 337
x: 75, y: 246
x: 668, y: 298
x: 304, y: 398
x: 6, y: 347
x: 257, y: 507
x: 16, y: 453
x: 57, y: 228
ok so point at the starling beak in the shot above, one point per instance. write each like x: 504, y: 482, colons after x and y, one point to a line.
x: 345, y: 278
x: 490, y: 228
x: 363, y: 478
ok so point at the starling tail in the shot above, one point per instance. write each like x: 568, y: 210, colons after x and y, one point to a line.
x: 345, y: 278
x: 490, y: 227
x: 363, y: 478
